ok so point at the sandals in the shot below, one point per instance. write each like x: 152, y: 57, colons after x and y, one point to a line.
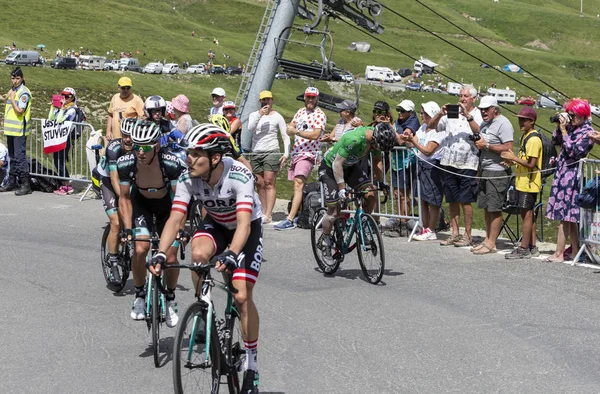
x: 474, y: 248
x: 484, y: 249
x: 551, y: 259
x: 451, y: 240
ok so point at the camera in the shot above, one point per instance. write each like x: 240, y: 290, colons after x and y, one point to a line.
x: 475, y: 137
x: 556, y: 118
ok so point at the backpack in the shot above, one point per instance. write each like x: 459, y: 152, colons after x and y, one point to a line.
x: 40, y: 182
x: 80, y: 117
x: 311, y: 201
x: 549, y: 154
x: 588, y: 199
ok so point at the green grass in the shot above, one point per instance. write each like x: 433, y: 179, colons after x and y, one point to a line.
x: 161, y: 30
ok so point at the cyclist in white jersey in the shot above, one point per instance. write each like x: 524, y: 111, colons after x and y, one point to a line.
x: 232, y: 228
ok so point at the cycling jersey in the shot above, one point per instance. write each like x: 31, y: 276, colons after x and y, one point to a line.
x: 234, y: 192
x: 352, y: 147
x: 108, y: 162
x: 169, y: 164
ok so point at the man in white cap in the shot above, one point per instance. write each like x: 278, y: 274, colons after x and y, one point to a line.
x: 496, y: 137
x: 218, y: 97
x: 461, y: 162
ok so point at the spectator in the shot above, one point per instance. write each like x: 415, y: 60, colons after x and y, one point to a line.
x: 428, y: 141
x: 528, y: 181
x: 573, y: 135
x: 307, y: 126
x: 218, y: 97
x: 17, y: 126
x: 266, y: 159
x: 235, y: 124
x: 170, y: 114
x: 404, y: 166
x: 118, y: 104
x: 4, y: 164
x: 181, y: 108
x: 496, y: 137
x: 460, y: 160
x: 348, y: 121
x: 67, y: 112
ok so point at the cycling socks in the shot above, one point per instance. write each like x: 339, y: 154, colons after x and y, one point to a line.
x: 251, y: 355
x: 113, y: 259
x: 170, y: 296
x: 140, y: 292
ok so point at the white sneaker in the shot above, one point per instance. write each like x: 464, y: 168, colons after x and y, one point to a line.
x: 171, y: 318
x: 426, y: 235
x: 138, y: 310
x: 326, y: 249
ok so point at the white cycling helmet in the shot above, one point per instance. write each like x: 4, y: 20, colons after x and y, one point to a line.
x: 145, y: 132
x: 155, y: 102
x: 127, y: 125
x: 208, y: 137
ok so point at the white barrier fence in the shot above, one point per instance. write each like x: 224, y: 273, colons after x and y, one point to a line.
x: 589, y: 218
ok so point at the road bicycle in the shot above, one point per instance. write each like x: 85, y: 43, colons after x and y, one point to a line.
x: 368, y: 241
x: 123, y: 262
x: 206, y: 347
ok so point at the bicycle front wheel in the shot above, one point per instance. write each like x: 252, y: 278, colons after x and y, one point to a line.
x: 196, y: 365
x: 327, y: 264
x: 371, y: 255
x: 156, y: 319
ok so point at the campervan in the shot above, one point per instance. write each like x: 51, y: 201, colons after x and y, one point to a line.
x: 23, y: 58
x: 374, y: 73
x: 454, y: 88
x: 503, y: 95
x: 424, y: 66
x: 89, y: 62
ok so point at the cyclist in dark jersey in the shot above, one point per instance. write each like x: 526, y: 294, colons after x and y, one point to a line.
x: 342, y: 164
x: 106, y: 174
x: 147, y: 177
x: 232, y: 229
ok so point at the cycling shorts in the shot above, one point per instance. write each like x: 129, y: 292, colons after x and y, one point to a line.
x: 222, y: 237
x: 354, y: 176
x: 110, y: 201
x: 143, y: 208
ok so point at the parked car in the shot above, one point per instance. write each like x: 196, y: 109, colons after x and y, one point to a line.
x: 233, y: 71
x: 129, y: 64
x: 432, y: 89
x: 196, y: 69
x: 595, y: 109
x: 548, y: 102
x: 153, y: 68
x: 170, y: 68
x: 405, y: 72
x: 414, y: 86
x: 347, y: 78
x: 111, y: 65
x: 283, y: 76
x: 64, y: 62
x: 526, y: 101
x: 216, y: 69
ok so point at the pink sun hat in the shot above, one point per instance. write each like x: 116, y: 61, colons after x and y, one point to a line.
x: 181, y: 103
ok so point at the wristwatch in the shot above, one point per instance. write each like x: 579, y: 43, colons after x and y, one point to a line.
x: 470, y: 119
x: 487, y: 146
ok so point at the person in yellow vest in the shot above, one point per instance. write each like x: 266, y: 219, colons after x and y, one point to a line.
x: 17, y: 115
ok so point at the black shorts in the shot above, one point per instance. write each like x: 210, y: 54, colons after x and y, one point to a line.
x: 110, y: 201
x: 354, y: 176
x: 143, y: 208
x: 526, y: 200
x: 460, y: 185
x: 222, y: 237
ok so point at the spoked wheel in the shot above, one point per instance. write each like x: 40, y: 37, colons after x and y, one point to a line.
x: 327, y: 265
x: 156, y: 320
x: 371, y: 255
x: 196, y: 366
x: 236, y: 357
x: 123, y: 265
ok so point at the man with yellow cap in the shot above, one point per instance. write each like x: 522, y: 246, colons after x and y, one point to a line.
x: 121, y: 102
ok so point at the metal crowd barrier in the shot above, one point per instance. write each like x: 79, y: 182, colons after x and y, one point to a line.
x: 79, y: 166
x: 589, y: 219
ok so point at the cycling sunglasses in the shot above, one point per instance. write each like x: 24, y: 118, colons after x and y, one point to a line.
x: 144, y: 148
x: 380, y: 112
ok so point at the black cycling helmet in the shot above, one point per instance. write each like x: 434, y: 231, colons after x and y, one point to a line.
x: 385, y: 136
x: 381, y: 105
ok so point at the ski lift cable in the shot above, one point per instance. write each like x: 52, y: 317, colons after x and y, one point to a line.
x: 493, y: 50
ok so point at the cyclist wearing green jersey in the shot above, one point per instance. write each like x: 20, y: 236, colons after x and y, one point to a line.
x: 342, y: 164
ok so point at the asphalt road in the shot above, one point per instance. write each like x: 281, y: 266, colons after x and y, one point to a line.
x: 443, y: 321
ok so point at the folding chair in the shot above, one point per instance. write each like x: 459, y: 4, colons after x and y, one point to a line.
x: 511, y: 208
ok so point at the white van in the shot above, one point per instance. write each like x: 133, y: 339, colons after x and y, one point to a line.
x: 503, y: 95
x: 23, y: 58
x: 153, y: 68
x: 170, y: 68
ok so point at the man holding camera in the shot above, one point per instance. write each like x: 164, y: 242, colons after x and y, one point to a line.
x: 460, y: 160
x: 497, y: 137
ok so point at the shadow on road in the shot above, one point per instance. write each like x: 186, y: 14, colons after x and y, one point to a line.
x: 353, y: 274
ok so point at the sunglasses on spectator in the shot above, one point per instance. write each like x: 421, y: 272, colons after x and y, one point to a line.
x: 401, y: 110
x: 125, y: 87
x: 380, y: 112
x: 144, y: 148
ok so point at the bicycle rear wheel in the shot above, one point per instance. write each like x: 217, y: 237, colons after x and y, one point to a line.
x: 236, y: 357
x: 316, y: 240
x: 156, y: 314
x: 371, y: 255
x: 195, y: 370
